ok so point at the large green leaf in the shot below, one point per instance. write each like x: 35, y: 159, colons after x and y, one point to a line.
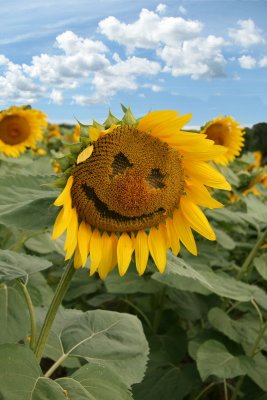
x: 257, y: 372
x: 26, y: 201
x: 26, y: 164
x: 43, y: 244
x: 223, y: 285
x: 21, y: 377
x: 243, y: 330
x: 261, y: 265
x: 180, y: 275
x: 95, y: 382
x: 14, y: 317
x: 17, y: 265
x: 224, y: 240
x: 112, y: 339
x: 130, y: 283
x: 213, y: 358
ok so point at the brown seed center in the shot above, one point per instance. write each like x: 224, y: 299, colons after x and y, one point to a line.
x: 14, y: 129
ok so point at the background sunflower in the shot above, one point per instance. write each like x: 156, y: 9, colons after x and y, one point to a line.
x: 20, y: 127
x: 225, y: 131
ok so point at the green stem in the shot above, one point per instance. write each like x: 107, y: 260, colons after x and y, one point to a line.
x: 244, y: 269
x: 28, y: 299
x: 225, y: 389
x: 52, y: 311
x: 135, y: 307
x: 205, y: 390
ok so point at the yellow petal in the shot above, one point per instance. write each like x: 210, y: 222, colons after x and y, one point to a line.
x: 72, y: 234
x: 106, y: 259
x: 163, y: 230
x: 95, y: 251
x: 85, y: 154
x: 84, y: 237
x: 77, y: 258
x: 61, y: 223
x: 124, y: 253
x: 65, y: 194
x: 196, y: 219
x: 141, y: 251
x: 94, y: 134
x: 184, y: 231
x: 156, y: 245
x: 173, y: 236
x: 200, y: 195
x: 206, y: 174
x: 114, y: 258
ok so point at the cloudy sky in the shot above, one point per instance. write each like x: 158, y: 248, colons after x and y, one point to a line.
x: 80, y: 58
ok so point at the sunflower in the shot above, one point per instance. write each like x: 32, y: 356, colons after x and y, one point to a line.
x: 225, y: 131
x: 20, y: 127
x: 135, y: 188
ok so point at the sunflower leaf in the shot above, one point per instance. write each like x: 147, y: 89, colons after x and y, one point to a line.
x: 15, y: 324
x: 16, y: 265
x: 213, y: 358
x: 26, y: 201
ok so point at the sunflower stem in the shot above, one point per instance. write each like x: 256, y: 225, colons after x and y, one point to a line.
x: 52, y: 311
x: 28, y: 299
x: 244, y: 268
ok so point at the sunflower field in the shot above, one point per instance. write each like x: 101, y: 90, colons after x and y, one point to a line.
x: 133, y: 258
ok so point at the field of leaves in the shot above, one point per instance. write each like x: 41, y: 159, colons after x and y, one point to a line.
x: 197, y: 331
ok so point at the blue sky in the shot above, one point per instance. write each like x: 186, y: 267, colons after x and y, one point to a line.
x: 78, y: 59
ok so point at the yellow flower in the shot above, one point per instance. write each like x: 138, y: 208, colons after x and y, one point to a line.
x: 261, y: 179
x: 20, y: 128
x: 258, y: 157
x: 225, y: 131
x: 53, y: 131
x: 137, y: 190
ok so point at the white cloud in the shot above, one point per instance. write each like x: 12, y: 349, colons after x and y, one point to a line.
x: 81, y: 57
x: 247, y: 35
x: 155, y: 88
x: 161, y: 8
x: 263, y: 62
x: 247, y: 62
x: 15, y: 86
x: 182, y: 10
x: 150, y: 30
x: 200, y: 57
x: 120, y: 76
x: 56, y: 97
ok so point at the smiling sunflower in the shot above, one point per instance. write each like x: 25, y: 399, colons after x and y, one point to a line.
x: 135, y: 187
x: 20, y: 127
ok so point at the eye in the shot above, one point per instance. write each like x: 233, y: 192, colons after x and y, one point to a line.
x: 156, y: 178
x: 120, y: 164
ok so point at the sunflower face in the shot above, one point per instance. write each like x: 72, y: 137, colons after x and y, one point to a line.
x: 225, y: 131
x: 136, y: 190
x: 19, y: 129
x: 131, y: 181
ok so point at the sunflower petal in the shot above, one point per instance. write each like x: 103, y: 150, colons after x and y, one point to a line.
x: 65, y: 194
x: 196, y: 219
x: 184, y: 231
x: 95, y: 251
x: 157, y: 248
x: 85, y: 154
x: 124, y: 252
x: 141, y: 251
x: 173, y: 236
x: 72, y: 234
x: 106, y: 259
x: 84, y: 236
x: 206, y: 174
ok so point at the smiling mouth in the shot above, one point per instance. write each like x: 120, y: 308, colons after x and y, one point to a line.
x: 105, y: 212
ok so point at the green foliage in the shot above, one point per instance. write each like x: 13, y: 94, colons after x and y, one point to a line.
x: 196, y: 331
